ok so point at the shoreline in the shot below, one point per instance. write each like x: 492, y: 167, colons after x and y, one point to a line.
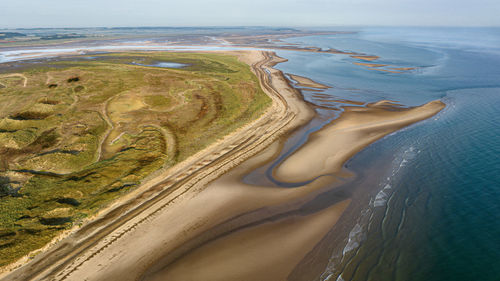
x: 169, y: 220
x: 284, y: 114
x: 246, y: 210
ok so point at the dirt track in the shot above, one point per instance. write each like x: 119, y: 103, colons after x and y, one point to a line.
x: 25, y: 82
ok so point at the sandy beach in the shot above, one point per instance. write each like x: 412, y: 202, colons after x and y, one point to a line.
x: 199, y: 221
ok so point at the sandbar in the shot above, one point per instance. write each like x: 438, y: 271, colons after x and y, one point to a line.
x: 370, y: 64
x: 365, y: 58
x: 307, y: 82
x: 327, y: 150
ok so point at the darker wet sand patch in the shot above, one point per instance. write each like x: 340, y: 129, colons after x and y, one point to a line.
x: 248, y: 254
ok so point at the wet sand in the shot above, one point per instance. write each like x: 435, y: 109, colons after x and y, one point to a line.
x: 378, y: 67
x: 292, y: 237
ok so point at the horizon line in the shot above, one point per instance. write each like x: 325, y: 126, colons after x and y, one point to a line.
x: 248, y: 26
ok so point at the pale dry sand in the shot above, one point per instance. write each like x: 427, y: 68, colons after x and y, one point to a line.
x: 306, y: 82
x: 328, y: 149
x: 267, y: 243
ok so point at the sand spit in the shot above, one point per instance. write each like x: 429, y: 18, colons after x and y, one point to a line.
x: 378, y: 66
x: 328, y: 149
x: 306, y: 82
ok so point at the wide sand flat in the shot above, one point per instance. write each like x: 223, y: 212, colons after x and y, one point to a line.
x: 249, y: 254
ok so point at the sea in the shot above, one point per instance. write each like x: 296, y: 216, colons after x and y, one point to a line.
x: 432, y: 191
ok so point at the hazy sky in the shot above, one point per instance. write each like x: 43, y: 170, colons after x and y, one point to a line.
x: 91, y: 13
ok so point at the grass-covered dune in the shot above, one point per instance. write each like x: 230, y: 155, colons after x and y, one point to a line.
x: 77, y: 133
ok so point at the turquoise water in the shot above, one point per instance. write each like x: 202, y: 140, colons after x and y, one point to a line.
x: 441, y: 222
x: 434, y: 213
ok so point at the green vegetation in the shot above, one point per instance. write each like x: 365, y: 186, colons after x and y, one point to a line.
x: 83, y: 132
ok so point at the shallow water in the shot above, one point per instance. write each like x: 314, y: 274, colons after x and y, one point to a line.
x: 434, y: 214
x: 164, y: 64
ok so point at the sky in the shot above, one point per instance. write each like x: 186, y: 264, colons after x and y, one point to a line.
x: 111, y: 13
